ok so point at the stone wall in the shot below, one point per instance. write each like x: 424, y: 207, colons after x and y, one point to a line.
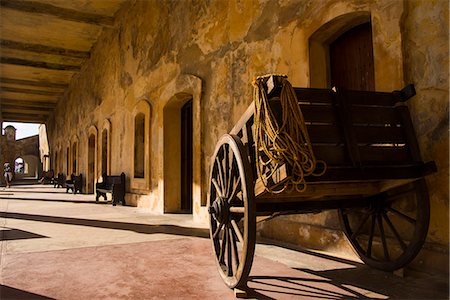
x: 161, y: 52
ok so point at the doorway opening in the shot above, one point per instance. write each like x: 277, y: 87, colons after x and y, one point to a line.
x: 186, y: 157
x: 178, y: 154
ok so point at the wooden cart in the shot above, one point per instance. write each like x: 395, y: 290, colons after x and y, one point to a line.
x: 374, y: 179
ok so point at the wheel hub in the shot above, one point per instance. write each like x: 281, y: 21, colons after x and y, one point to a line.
x: 220, y: 209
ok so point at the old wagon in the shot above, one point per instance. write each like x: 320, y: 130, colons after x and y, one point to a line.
x: 366, y: 154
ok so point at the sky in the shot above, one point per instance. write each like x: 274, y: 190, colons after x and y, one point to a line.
x: 23, y: 130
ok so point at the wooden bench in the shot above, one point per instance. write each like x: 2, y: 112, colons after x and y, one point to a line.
x: 59, y: 181
x: 47, y: 177
x: 114, y: 185
x: 74, y: 183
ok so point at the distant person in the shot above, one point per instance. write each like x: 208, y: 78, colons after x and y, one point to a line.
x: 8, y: 174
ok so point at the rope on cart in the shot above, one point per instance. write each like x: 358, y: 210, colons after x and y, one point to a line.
x: 285, y: 143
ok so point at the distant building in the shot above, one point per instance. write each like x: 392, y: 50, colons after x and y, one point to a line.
x: 26, y: 148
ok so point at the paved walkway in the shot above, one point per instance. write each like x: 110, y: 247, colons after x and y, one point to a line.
x: 61, y: 246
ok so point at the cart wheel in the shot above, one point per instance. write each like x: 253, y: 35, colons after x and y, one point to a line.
x: 391, y: 229
x: 231, y: 207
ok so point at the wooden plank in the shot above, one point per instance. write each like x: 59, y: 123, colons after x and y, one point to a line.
x: 25, y: 103
x: 346, y: 181
x: 24, y: 110
x: 28, y: 118
x: 320, y: 190
x: 369, y: 98
x: 60, y: 12
x: 33, y: 83
x: 318, y: 113
x: 375, y: 115
x: 379, y: 135
x: 28, y: 91
x: 36, y: 48
x: 332, y: 155
x: 384, y: 155
x: 31, y: 102
x: 328, y: 134
x: 314, y: 95
x: 38, y: 64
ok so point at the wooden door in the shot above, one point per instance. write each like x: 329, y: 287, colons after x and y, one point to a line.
x: 351, y: 60
x: 186, y: 157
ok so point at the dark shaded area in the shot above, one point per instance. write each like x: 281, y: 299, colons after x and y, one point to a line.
x: 9, y: 293
x: 136, y: 227
x: 296, y: 286
x: 413, y: 286
x: 17, y: 234
x: 56, y: 200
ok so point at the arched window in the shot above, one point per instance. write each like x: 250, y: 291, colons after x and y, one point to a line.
x: 141, y: 146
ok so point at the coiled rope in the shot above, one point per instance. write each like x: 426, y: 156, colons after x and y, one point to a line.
x: 285, y: 143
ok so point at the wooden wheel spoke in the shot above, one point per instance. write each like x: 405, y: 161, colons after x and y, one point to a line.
x: 402, y: 215
x: 222, y: 248
x: 225, y: 167
x: 383, y: 237
x: 360, y: 226
x: 237, y: 231
x: 394, y: 231
x: 236, y: 188
x: 234, y: 249
x: 369, y: 245
x: 231, y: 177
x: 229, y: 251
x: 218, y: 229
x: 220, y: 171
x: 237, y: 209
x: 217, y: 187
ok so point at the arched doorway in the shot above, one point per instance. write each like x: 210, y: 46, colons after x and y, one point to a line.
x: 178, y: 154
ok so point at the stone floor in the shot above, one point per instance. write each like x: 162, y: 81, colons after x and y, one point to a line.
x: 61, y: 246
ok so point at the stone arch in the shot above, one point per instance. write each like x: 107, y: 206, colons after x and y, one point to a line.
x: 140, y: 175
x: 387, y: 45
x: 178, y: 92
x: 319, y: 41
x: 91, y: 172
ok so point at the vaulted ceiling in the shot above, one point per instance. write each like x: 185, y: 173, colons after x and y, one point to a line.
x: 43, y: 43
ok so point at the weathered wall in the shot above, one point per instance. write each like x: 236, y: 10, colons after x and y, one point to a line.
x: 159, y: 50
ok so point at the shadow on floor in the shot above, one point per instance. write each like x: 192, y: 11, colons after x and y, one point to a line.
x: 136, y: 227
x: 9, y: 293
x: 357, y: 280
x: 353, y: 283
x: 17, y: 234
x: 55, y: 200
